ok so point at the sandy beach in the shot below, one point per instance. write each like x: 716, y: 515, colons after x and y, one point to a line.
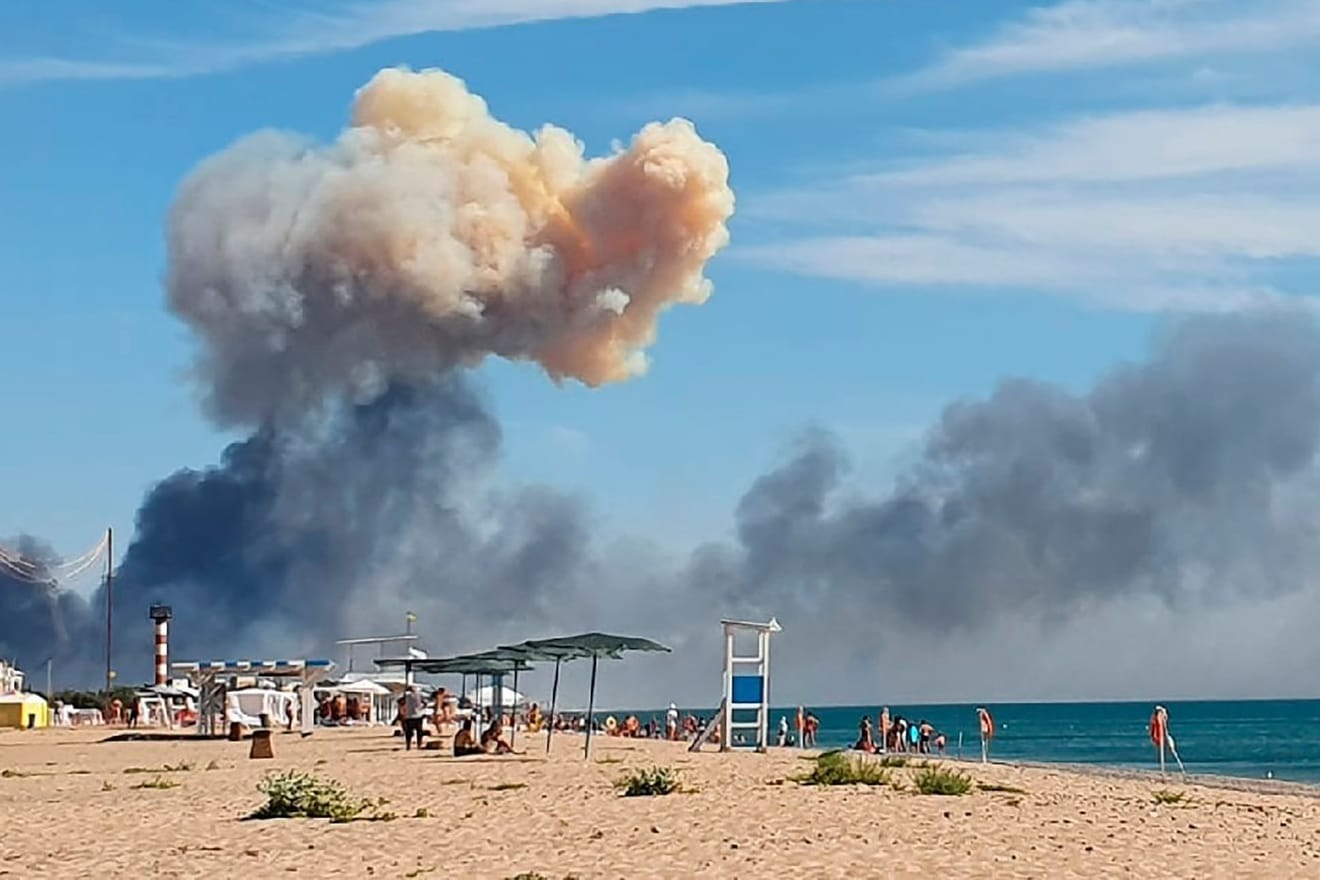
x: 74, y: 806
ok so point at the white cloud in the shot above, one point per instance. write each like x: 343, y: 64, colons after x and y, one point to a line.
x: 1133, y: 146
x: 1180, y: 209
x: 293, y: 30
x: 24, y: 70
x: 1096, y: 34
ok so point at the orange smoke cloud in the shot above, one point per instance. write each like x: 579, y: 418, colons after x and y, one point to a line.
x: 428, y: 236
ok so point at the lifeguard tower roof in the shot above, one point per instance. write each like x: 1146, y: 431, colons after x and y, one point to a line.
x: 773, y: 626
x: 379, y: 640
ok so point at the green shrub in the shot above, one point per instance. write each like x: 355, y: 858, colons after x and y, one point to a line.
x: 1163, y: 796
x: 302, y: 795
x: 647, y: 783
x: 942, y: 781
x: 893, y: 761
x: 837, y: 768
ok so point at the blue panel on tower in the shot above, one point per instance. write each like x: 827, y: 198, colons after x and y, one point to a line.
x: 748, y: 688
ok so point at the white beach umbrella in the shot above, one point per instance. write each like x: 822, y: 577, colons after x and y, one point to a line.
x: 485, y: 697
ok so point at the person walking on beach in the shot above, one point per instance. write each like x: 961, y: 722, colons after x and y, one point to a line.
x: 671, y: 722
x: 414, y: 707
x: 927, y: 732
x: 783, y: 731
x: 987, y: 732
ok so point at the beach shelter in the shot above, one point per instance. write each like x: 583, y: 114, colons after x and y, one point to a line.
x: 23, y: 710
x: 558, y: 654
x: 594, y: 645
x: 491, y: 663
x: 378, y: 695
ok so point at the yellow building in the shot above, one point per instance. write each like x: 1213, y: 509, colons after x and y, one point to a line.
x: 24, y: 711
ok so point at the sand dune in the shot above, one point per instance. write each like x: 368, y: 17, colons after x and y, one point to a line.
x: 71, y: 810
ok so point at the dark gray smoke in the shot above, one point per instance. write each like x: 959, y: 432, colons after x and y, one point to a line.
x: 41, y: 622
x: 327, y: 530
x: 335, y: 528
x: 1188, y: 477
x: 1188, y: 480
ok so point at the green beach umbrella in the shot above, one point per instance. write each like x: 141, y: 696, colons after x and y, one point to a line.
x: 594, y: 645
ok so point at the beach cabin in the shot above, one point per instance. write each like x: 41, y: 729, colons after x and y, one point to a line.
x: 23, y: 711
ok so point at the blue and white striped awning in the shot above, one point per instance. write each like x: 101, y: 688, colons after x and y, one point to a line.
x: 259, y: 667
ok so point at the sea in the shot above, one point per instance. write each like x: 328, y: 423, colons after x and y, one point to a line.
x: 1249, y: 739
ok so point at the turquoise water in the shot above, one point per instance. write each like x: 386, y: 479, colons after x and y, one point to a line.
x: 1243, y: 738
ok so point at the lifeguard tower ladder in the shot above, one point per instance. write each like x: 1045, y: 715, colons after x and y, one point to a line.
x: 746, y: 687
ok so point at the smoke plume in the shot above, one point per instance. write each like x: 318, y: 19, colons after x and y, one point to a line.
x: 40, y: 621
x: 305, y: 535
x: 428, y: 236
x: 1190, y: 477
x: 338, y: 293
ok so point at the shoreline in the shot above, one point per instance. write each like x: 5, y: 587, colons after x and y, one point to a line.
x: 1106, y: 771
x: 1116, y: 771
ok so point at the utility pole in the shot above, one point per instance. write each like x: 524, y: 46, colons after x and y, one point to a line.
x: 109, y: 606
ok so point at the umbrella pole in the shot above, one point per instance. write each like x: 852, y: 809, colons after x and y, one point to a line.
x: 513, y: 715
x: 554, y: 695
x: 591, y: 707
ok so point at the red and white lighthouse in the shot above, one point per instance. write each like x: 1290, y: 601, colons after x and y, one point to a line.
x: 161, y: 614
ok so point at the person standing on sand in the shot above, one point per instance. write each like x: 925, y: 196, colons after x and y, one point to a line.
x: 671, y: 721
x: 783, y: 731
x: 414, y: 707
x: 884, y: 729
x: 987, y: 732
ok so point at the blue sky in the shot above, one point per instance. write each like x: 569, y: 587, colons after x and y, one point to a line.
x: 931, y: 196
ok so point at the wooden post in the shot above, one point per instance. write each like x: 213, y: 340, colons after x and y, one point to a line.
x: 261, y: 746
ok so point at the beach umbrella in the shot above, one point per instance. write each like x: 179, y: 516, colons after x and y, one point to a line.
x: 490, y: 695
x: 594, y: 645
x: 492, y: 663
x: 557, y: 653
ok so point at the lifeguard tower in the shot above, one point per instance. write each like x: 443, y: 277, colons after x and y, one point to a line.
x: 746, y: 704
